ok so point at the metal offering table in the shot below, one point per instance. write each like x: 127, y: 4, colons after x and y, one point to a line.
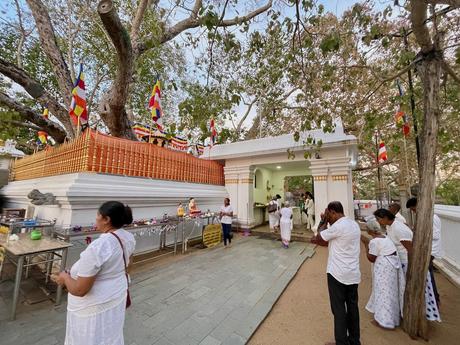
x: 22, y: 225
x: 17, y: 251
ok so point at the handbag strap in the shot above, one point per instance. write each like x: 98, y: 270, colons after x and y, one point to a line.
x: 123, y: 251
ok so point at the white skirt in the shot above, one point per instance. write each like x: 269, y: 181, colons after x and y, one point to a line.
x: 274, y: 219
x: 286, y: 231
x: 431, y: 307
x: 387, y: 297
x: 101, y: 324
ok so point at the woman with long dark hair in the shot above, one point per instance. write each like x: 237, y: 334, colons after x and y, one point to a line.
x: 98, y: 282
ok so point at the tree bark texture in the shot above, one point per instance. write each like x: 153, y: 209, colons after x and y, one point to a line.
x: 415, y: 323
x: 36, y: 91
x: 112, y: 107
x: 50, y: 47
x: 52, y: 128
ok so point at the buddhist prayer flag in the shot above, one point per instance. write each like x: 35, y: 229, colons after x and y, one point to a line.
x: 200, y: 149
x: 42, y: 135
x: 155, y: 105
x: 401, y: 117
x: 78, y: 111
x: 213, y: 132
x: 382, y: 157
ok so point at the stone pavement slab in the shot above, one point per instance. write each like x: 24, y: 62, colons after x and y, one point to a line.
x: 213, y: 297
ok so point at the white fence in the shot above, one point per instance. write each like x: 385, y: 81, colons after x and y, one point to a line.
x: 450, y: 231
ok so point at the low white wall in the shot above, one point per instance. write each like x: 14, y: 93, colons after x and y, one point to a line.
x: 450, y: 232
x: 80, y: 195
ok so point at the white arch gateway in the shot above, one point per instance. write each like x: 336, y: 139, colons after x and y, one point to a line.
x: 247, y: 162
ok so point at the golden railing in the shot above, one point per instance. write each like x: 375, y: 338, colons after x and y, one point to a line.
x: 100, y: 153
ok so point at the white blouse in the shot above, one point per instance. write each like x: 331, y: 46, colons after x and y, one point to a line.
x: 381, y: 246
x: 103, y: 258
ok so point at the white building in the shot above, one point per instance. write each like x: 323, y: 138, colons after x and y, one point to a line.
x: 256, y: 169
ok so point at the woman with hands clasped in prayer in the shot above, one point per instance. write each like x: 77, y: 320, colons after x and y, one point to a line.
x: 98, y: 281
x: 388, y: 280
x: 401, y: 236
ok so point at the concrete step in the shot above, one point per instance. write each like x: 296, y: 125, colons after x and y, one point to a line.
x: 299, y: 236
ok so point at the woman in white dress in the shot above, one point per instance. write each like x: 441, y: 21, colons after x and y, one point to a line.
x: 273, y: 214
x: 286, y: 224
x: 310, y: 207
x: 388, y: 280
x: 401, y: 235
x: 98, y: 282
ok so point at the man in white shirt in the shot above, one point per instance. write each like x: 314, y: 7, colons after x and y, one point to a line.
x: 226, y: 214
x: 343, y: 274
x: 436, y: 247
x: 395, y: 208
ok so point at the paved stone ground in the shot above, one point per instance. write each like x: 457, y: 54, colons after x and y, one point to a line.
x: 214, y: 297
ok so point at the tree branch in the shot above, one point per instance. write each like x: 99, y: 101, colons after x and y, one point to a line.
x: 23, y: 124
x: 51, y: 48
x: 450, y: 71
x: 70, y: 39
x: 248, y: 110
x: 194, y: 21
x: 249, y: 16
x: 52, y: 128
x: 23, y: 34
x: 453, y: 3
x: 212, y: 43
x: 418, y: 20
x: 393, y: 77
x: 36, y: 91
x: 373, y: 166
x: 137, y: 22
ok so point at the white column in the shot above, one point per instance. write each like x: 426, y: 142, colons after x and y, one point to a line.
x: 246, y: 198
x: 320, y: 173
x: 239, y: 182
x: 332, y: 182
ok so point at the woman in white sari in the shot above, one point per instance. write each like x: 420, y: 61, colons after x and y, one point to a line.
x: 388, y: 281
x: 401, y: 236
x: 286, y: 224
x: 273, y: 214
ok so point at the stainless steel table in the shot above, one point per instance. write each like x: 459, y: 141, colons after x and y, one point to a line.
x: 17, y: 251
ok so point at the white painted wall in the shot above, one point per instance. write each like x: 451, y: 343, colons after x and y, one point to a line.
x: 260, y: 193
x: 450, y: 232
x: 80, y: 195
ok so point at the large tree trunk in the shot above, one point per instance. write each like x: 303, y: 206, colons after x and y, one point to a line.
x: 112, y: 107
x: 415, y: 323
x: 50, y: 46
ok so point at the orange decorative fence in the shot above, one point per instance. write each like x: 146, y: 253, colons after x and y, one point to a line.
x: 100, y: 153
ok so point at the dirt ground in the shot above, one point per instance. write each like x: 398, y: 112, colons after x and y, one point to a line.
x: 302, y: 315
